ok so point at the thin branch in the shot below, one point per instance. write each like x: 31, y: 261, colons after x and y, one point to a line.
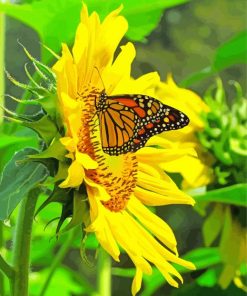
x: 6, y: 268
x: 58, y: 259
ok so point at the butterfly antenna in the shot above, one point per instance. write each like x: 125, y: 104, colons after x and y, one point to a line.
x: 100, y: 77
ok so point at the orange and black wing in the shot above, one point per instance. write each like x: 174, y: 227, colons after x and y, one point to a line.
x: 117, y: 126
x: 130, y: 120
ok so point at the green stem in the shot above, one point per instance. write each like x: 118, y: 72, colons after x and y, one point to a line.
x: 58, y: 259
x: 104, y: 273
x: 1, y: 267
x: 6, y: 268
x: 22, y: 243
x: 2, y: 90
x: 2, y: 52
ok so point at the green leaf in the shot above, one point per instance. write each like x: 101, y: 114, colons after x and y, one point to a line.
x: 194, y: 289
x: 233, y: 51
x: 234, y: 195
x: 18, y: 179
x: 62, y: 171
x: 202, y: 258
x: 77, y: 212
x: 232, y: 250
x: 143, y: 16
x: 56, y: 21
x: 63, y: 283
x: 198, y: 76
x: 124, y: 272
x: 58, y: 195
x: 44, y: 127
x: 213, y: 224
x: 49, y: 104
x: 21, y: 139
x: 227, y: 275
x: 208, y: 278
x: 7, y: 140
x: 55, y: 150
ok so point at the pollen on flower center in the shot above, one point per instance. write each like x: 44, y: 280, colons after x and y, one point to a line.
x: 116, y: 174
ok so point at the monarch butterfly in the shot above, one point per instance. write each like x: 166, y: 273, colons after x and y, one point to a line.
x: 128, y: 121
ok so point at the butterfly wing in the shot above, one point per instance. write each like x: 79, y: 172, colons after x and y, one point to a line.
x: 130, y: 120
x: 117, y: 126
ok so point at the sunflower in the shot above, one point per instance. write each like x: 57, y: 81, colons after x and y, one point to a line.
x: 119, y: 188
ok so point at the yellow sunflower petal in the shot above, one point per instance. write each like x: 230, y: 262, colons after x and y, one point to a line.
x: 150, y: 198
x: 153, y: 184
x: 116, y: 75
x: 99, y: 191
x: 121, y: 231
x: 153, y: 250
x: 75, y: 175
x: 68, y: 142
x: 101, y: 228
x: 86, y: 161
x: 137, y: 281
x: 155, y: 224
x: 191, y: 168
x: 113, y: 29
x: 151, y: 154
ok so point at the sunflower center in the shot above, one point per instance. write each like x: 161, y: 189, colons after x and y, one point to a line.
x: 117, y: 174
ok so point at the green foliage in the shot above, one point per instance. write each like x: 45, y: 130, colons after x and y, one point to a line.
x: 208, y: 278
x: 203, y: 257
x: 11, y: 143
x: 232, y: 195
x: 143, y: 17
x: 225, y: 135
x: 213, y: 225
x: 232, y: 249
x: 23, y: 175
x: 48, y: 16
x: 232, y: 52
x: 63, y: 283
x: 45, y: 128
x: 77, y: 213
x: 55, y: 150
x: 194, y: 289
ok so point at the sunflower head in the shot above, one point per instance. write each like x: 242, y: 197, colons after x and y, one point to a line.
x: 117, y: 186
x: 110, y: 192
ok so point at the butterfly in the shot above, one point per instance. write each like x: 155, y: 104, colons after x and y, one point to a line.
x: 128, y: 121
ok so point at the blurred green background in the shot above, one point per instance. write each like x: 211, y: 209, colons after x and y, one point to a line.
x: 183, y: 43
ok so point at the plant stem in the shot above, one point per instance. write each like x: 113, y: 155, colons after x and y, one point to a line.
x: 1, y: 259
x: 22, y: 243
x: 104, y: 273
x: 2, y: 90
x: 6, y: 268
x: 2, y: 52
x: 58, y: 259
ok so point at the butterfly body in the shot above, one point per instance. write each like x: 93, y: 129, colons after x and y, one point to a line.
x: 128, y: 121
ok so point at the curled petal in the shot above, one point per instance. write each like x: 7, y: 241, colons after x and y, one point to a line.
x: 75, y: 175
